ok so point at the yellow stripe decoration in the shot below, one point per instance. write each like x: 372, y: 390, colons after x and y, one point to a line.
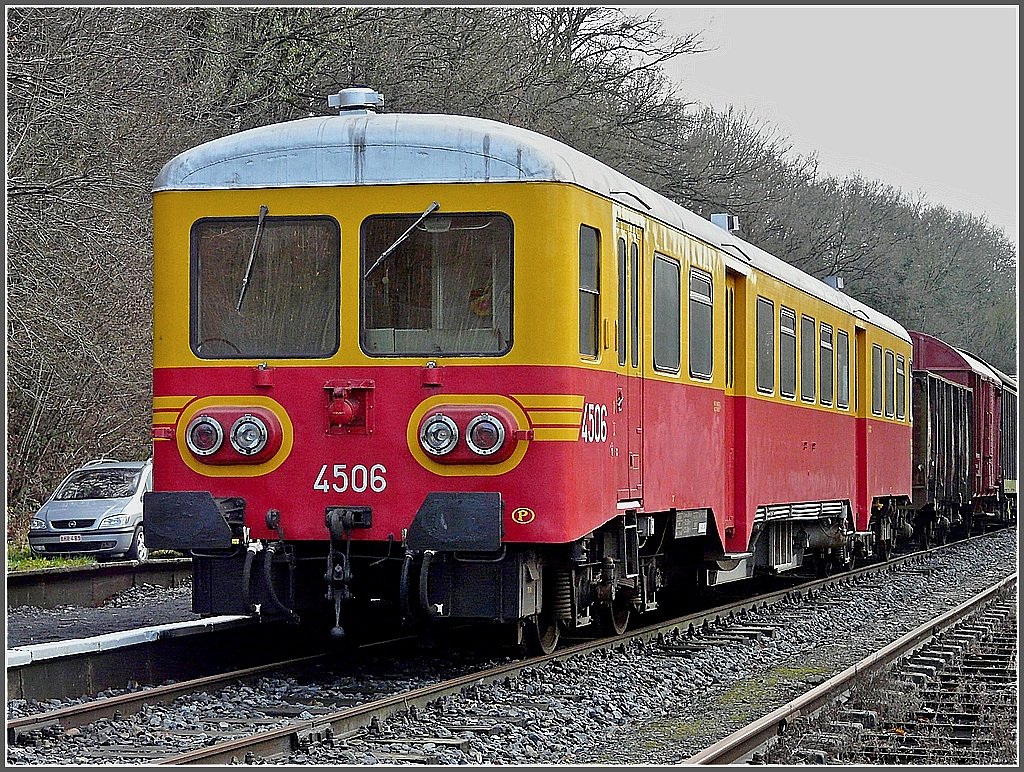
x: 563, y: 434
x: 554, y: 418
x: 165, y: 417
x: 170, y: 403
x: 550, y: 401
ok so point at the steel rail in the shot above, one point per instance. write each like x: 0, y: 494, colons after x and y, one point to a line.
x: 131, y: 702
x: 745, y: 741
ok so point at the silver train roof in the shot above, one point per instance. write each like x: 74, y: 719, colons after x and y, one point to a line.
x: 367, y: 148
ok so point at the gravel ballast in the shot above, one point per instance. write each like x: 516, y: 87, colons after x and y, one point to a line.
x: 635, y: 704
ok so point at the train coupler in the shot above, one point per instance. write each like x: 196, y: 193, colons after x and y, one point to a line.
x: 340, y: 522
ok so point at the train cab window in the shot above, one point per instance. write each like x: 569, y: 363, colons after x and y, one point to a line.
x: 666, y: 314
x: 265, y: 287
x: 876, y: 380
x: 807, y: 346
x: 436, y: 284
x: 901, y: 387
x: 890, y: 385
x: 765, y: 346
x: 590, y: 290
x: 701, y: 340
x: 842, y: 369
x: 620, y: 327
x: 787, y: 352
x: 825, y: 361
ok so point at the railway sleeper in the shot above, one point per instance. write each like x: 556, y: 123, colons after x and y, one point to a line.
x: 460, y: 743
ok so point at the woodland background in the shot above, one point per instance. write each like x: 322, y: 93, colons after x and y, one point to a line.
x: 98, y: 99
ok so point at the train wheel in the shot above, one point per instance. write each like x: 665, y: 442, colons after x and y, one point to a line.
x: 542, y: 634
x: 822, y: 565
x: 615, y: 616
x: 543, y: 631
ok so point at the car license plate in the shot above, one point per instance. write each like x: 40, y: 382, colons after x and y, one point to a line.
x: 69, y: 537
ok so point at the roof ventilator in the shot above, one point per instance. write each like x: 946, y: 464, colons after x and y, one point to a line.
x: 835, y: 281
x: 358, y: 99
x: 727, y: 222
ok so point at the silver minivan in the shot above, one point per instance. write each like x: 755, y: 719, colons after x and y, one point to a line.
x: 96, y: 510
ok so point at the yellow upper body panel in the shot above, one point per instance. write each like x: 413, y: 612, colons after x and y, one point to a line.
x: 546, y: 219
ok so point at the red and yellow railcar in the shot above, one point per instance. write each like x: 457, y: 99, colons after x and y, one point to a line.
x: 457, y: 365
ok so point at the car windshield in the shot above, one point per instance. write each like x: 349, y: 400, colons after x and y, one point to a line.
x: 99, y: 484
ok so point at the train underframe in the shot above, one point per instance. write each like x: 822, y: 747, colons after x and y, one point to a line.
x: 446, y: 572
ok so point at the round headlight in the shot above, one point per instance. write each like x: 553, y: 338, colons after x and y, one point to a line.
x: 485, y: 434
x: 204, y: 435
x: 439, y: 435
x: 249, y: 435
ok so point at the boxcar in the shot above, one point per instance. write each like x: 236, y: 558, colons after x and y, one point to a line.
x: 992, y: 461
x: 1006, y: 440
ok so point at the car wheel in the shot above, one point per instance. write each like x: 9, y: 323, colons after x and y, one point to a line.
x: 138, y: 551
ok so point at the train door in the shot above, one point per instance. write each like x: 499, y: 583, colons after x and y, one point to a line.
x: 861, y: 396
x: 735, y: 461
x: 629, y: 398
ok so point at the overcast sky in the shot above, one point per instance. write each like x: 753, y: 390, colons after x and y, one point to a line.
x: 921, y: 98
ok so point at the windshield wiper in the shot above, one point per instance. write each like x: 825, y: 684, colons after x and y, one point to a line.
x: 434, y: 206
x: 252, y: 255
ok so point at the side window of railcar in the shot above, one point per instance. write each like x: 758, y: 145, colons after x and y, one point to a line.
x: 826, y: 364
x: 590, y: 290
x: 701, y: 331
x: 787, y: 352
x: 901, y: 387
x: 765, y: 346
x: 666, y: 314
x: 842, y: 369
x: 436, y: 285
x: 890, y: 387
x: 634, y: 305
x: 807, y: 346
x: 620, y: 330
x: 265, y: 286
x: 876, y: 380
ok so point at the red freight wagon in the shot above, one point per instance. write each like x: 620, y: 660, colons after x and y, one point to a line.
x: 938, y: 357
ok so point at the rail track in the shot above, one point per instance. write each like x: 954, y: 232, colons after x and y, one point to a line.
x: 934, y: 660
x: 293, y: 723
x: 347, y: 718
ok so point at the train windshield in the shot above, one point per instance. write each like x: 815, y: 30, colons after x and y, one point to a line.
x: 435, y: 283
x: 265, y: 286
